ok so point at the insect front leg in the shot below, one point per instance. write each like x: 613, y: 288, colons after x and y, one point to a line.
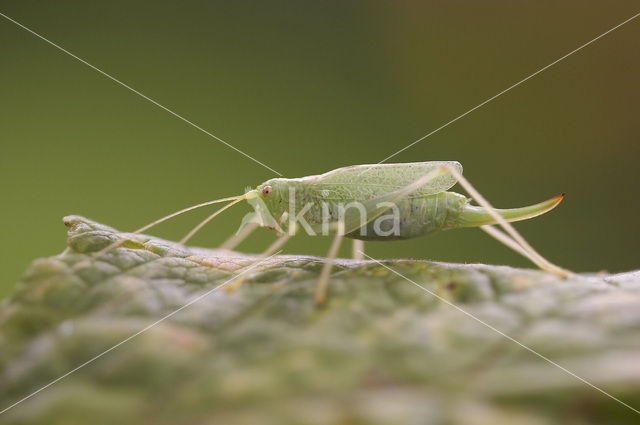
x: 276, y: 245
x: 237, y: 239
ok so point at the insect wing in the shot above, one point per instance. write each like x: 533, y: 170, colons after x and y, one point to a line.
x: 362, y: 182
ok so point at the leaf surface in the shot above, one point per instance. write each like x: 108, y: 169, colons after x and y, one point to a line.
x: 382, y: 350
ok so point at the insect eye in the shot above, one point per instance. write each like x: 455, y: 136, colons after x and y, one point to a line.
x: 266, y: 190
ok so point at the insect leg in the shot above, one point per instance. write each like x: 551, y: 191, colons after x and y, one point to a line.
x: 237, y: 239
x: 505, y: 239
x: 358, y: 249
x: 323, y: 280
x: 189, y: 235
x: 276, y: 245
x: 517, y: 239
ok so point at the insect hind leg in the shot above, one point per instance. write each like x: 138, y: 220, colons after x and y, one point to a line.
x: 513, y: 239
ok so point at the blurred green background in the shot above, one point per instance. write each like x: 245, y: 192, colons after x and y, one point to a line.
x: 306, y: 87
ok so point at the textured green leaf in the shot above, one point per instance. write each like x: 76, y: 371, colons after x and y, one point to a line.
x: 382, y: 350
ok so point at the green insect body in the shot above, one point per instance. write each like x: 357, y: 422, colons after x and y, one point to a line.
x: 417, y: 217
x: 380, y: 202
x: 427, y: 210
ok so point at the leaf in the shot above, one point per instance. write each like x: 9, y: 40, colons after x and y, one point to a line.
x: 381, y: 351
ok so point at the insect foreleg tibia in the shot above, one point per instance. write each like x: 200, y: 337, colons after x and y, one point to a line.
x: 323, y: 281
x: 531, y: 253
x: 276, y: 245
x: 237, y: 239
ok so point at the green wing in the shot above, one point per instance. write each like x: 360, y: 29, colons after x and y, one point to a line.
x: 363, y: 182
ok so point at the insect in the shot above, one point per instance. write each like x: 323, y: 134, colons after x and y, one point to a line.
x: 382, y: 202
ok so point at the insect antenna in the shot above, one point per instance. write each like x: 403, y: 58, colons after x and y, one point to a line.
x: 207, y: 220
x: 192, y: 232
x: 117, y: 243
x: 182, y: 211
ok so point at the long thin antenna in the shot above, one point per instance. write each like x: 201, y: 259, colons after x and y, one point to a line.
x: 115, y: 244
x: 192, y: 232
x: 206, y: 220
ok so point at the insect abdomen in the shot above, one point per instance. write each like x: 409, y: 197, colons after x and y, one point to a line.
x: 418, y: 216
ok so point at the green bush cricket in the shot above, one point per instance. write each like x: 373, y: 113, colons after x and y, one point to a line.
x: 382, y: 202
